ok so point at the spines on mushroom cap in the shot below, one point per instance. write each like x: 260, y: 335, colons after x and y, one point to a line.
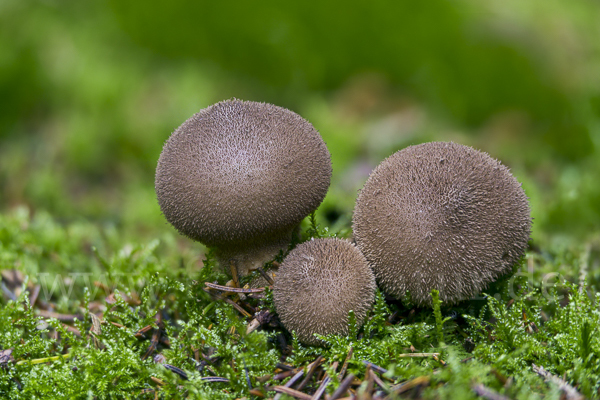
x: 441, y: 216
x: 317, y: 285
x: 241, y: 172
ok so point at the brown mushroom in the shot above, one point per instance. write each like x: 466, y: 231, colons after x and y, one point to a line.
x: 239, y: 176
x: 441, y: 216
x: 318, y: 284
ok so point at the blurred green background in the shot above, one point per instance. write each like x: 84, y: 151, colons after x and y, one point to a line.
x: 90, y: 90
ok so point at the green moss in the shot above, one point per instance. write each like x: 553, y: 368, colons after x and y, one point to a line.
x: 522, y: 321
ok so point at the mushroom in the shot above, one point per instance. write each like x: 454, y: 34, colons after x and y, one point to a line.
x: 318, y: 284
x: 441, y: 216
x: 239, y: 176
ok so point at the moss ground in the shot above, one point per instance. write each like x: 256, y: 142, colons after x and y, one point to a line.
x: 87, y: 315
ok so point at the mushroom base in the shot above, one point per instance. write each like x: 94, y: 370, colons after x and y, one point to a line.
x: 247, y: 258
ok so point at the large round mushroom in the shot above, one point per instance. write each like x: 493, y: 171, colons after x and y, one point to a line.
x: 441, y: 216
x: 318, y: 284
x: 239, y: 176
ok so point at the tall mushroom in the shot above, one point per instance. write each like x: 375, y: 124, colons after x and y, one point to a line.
x: 441, y: 216
x: 239, y: 176
x: 318, y: 284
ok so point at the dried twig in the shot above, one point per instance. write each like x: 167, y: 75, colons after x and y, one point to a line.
x: 375, y: 367
x: 8, y: 292
x: 379, y: 382
x: 238, y: 307
x: 403, y: 387
x: 215, y: 379
x: 418, y: 355
x: 182, y: 374
x: 487, y: 393
x: 292, y: 392
x: 229, y: 301
x: 234, y: 274
x: 155, y: 336
x: 266, y: 276
x: 247, y: 374
x: 345, y: 365
x: 366, y: 395
x: 321, y: 388
x: 289, y: 384
x: 43, y: 360
x: 33, y: 296
x: 144, y: 330
x: 344, y: 386
x: 284, y: 367
x: 311, y: 370
x: 159, y: 382
x: 283, y: 375
x: 96, y: 330
x: 570, y: 392
x: 438, y: 359
x: 252, y: 326
x: 324, y: 383
x: 233, y: 290
x: 257, y: 393
x: 60, y: 317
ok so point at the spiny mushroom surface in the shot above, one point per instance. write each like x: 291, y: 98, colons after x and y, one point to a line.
x: 317, y: 285
x: 441, y: 216
x: 239, y: 176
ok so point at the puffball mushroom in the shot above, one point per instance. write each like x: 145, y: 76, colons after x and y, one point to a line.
x: 239, y: 176
x: 318, y: 284
x: 441, y: 216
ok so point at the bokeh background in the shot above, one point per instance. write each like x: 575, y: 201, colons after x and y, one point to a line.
x: 90, y: 90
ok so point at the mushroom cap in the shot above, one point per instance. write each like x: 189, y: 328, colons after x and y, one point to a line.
x: 318, y: 283
x: 441, y: 216
x: 241, y: 171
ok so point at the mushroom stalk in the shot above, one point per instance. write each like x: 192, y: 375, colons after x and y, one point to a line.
x: 248, y: 257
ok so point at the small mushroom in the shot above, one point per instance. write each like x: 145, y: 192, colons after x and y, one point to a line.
x: 318, y: 284
x: 239, y: 176
x: 441, y: 216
